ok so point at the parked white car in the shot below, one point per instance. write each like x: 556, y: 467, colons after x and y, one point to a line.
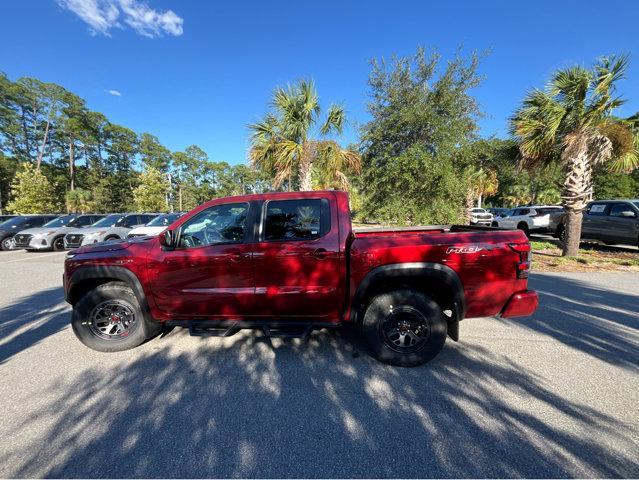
x: 155, y: 226
x: 479, y: 216
x: 530, y: 219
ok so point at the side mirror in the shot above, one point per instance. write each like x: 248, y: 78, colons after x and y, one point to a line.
x: 628, y: 214
x: 167, y: 240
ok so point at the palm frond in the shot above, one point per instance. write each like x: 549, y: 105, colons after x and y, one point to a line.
x: 609, y: 70
x: 536, y: 124
x: 571, y: 84
x: 334, y: 120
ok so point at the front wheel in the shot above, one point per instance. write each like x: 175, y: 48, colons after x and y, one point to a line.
x: 109, y: 319
x: 7, y: 243
x: 58, y: 244
x: 404, y: 327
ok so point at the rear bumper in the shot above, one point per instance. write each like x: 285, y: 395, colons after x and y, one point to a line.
x: 520, y: 304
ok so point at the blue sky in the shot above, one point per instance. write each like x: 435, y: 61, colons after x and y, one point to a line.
x: 197, y: 72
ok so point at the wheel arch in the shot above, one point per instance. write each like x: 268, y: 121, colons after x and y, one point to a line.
x: 85, y: 279
x: 439, y: 281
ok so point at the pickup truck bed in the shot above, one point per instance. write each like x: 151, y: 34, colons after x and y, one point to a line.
x: 281, y: 260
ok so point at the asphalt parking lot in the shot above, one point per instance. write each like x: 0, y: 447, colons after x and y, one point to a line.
x: 555, y: 395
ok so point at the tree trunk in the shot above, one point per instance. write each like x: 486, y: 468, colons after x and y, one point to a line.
x: 575, y: 189
x: 71, y: 166
x: 305, y: 175
x: 44, y: 144
x: 469, y: 206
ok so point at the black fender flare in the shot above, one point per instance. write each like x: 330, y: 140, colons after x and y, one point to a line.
x: 107, y: 273
x: 415, y: 270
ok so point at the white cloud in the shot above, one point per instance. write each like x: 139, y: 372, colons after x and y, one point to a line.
x: 103, y: 15
x: 115, y: 93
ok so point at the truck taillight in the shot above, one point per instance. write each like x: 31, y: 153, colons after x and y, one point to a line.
x: 525, y: 257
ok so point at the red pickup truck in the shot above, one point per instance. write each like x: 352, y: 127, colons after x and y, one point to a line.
x: 288, y: 263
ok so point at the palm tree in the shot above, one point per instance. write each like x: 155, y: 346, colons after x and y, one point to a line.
x: 571, y: 121
x: 481, y: 183
x: 280, y: 141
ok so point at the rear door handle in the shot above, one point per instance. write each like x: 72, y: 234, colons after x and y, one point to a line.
x: 319, y: 253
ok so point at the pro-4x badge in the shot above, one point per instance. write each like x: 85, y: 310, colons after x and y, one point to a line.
x: 469, y: 249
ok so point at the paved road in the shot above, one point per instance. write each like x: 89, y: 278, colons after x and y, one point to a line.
x: 556, y: 395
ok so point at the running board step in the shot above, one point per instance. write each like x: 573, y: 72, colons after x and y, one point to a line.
x: 206, y: 328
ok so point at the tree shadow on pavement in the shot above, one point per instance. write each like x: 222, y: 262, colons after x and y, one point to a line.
x: 598, y: 321
x: 239, y: 407
x: 22, y: 325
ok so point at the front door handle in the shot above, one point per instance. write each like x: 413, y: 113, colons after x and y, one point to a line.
x: 319, y: 253
x: 236, y: 257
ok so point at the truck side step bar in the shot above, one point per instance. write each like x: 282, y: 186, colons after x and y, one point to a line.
x: 270, y: 329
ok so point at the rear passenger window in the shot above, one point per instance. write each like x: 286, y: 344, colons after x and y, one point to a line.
x: 597, y: 209
x: 296, y: 219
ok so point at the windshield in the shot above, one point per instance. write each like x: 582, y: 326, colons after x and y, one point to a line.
x: 163, y: 220
x: 15, y: 221
x: 636, y: 204
x: 59, y: 222
x: 108, y: 221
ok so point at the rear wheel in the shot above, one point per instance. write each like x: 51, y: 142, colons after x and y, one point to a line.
x: 561, y: 232
x: 404, y: 327
x: 109, y: 319
x: 524, y: 228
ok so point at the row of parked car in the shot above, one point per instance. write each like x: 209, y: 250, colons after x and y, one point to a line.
x: 608, y: 221
x: 59, y: 232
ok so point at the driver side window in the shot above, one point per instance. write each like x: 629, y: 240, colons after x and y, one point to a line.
x: 218, y: 224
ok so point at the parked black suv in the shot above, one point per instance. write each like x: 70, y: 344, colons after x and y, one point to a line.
x: 609, y: 221
x: 12, y: 226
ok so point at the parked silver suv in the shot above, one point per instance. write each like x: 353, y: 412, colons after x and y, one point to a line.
x: 51, y: 235
x: 112, y: 227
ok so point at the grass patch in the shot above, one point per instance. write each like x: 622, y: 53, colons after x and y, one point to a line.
x: 627, y: 262
x: 542, y: 245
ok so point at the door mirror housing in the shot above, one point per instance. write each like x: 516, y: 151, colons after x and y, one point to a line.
x: 167, y: 240
x: 628, y: 214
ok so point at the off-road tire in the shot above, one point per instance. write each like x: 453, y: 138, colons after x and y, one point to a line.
x: 81, y: 319
x: 384, y: 308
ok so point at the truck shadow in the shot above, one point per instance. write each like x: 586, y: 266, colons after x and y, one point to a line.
x: 30, y: 320
x: 598, y: 321
x: 242, y: 408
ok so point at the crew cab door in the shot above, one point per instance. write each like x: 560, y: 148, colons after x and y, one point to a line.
x: 210, y: 272
x: 593, y: 225
x: 298, y: 266
x: 622, y: 225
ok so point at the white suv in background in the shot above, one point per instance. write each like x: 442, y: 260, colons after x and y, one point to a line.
x: 479, y: 216
x: 530, y: 219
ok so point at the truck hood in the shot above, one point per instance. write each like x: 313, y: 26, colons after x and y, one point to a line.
x: 147, y: 230
x: 111, y: 246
